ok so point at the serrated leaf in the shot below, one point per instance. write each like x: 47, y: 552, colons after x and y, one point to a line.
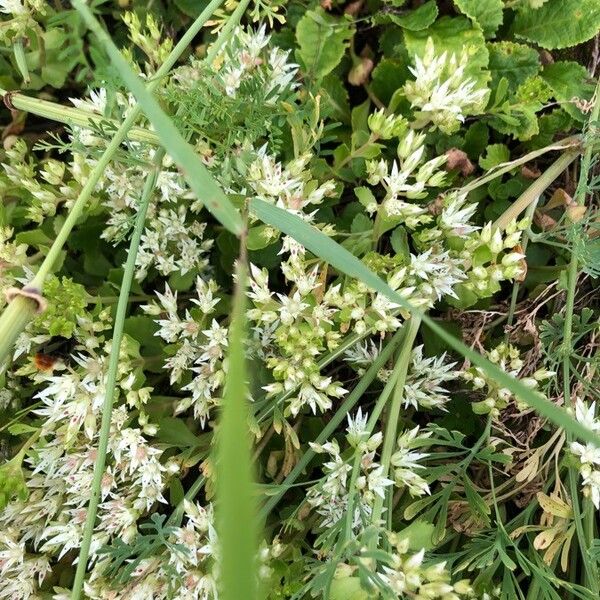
x: 515, y: 62
x: 495, y: 154
x: 389, y: 75
x: 559, y: 23
x: 488, y: 14
x: 322, y: 41
x: 570, y: 83
x: 520, y: 122
x: 361, y: 223
x: 419, y: 18
x: 335, y: 98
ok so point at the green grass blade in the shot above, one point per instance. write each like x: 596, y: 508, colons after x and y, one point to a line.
x: 337, y: 256
x: 236, y: 502
x: 195, y: 173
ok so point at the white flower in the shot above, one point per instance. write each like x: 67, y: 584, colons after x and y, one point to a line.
x: 442, y: 91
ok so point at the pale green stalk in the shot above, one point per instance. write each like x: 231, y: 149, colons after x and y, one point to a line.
x: 16, y: 316
x: 572, y: 142
x: 585, y: 529
x: 72, y: 116
x: 374, y: 417
x: 389, y: 439
x: 111, y: 378
x: 535, y: 190
x: 232, y: 22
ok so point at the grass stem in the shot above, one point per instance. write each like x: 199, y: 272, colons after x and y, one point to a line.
x: 111, y: 378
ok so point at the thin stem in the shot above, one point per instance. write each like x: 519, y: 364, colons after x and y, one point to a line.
x: 355, y: 153
x: 111, y: 378
x: 515, y: 292
x: 583, y: 534
x: 373, y: 418
x: 14, y: 320
x: 232, y: 22
x: 389, y: 441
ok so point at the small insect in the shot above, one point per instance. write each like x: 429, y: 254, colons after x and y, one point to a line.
x: 55, y: 350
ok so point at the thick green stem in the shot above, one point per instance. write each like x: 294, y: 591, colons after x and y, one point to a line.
x: 389, y: 441
x: 111, y: 379
x: 69, y: 115
x: 13, y: 321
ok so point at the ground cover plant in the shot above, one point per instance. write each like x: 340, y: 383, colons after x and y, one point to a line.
x: 299, y: 299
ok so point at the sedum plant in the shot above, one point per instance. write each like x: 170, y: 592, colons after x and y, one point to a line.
x: 305, y: 309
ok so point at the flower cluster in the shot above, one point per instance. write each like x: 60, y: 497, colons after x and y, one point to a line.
x: 588, y: 454
x: 49, y: 523
x: 408, y: 576
x: 441, y: 90
x: 198, y: 347
x: 508, y: 358
x: 330, y: 497
x: 425, y: 379
x: 407, y: 180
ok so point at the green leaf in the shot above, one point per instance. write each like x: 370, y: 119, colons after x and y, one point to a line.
x: 419, y: 535
x: 495, y: 155
x: 259, y: 237
x: 399, y: 241
x: 361, y: 223
x: 360, y: 116
x: 335, y: 98
x: 333, y: 253
x: 388, y: 76
x: 559, y: 23
x: 488, y: 14
x: 235, y: 502
x: 322, y: 41
x: 195, y: 173
x: 175, y: 432
x: 515, y: 62
x: 569, y: 81
x: 420, y: 18
x: 365, y: 196
x: 348, y: 588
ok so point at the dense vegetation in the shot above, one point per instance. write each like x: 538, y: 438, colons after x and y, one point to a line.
x: 299, y: 299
